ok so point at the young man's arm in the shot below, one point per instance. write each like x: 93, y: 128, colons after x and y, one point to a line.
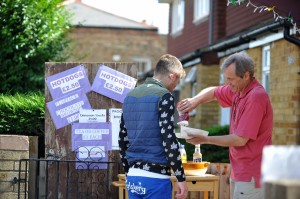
x: 123, y: 144
x: 170, y: 143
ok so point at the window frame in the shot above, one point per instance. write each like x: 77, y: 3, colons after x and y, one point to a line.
x: 224, y: 112
x: 191, y: 78
x: 147, y: 64
x: 201, y: 9
x: 178, y: 13
x: 265, y: 70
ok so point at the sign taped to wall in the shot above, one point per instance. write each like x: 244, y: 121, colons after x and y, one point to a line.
x: 92, y: 115
x: 112, y: 83
x: 70, y: 80
x: 65, y: 110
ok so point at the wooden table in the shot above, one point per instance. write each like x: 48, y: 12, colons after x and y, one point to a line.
x: 203, y: 183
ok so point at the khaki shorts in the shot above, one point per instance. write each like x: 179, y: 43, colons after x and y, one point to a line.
x: 244, y: 190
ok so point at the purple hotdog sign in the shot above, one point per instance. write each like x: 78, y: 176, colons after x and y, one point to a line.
x: 112, y: 84
x: 68, y: 81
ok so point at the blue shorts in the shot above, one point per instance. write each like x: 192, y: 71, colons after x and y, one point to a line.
x: 148, y: 188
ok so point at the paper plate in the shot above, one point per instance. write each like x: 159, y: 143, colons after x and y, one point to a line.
x: 184, y: 130
x: 180, y: 136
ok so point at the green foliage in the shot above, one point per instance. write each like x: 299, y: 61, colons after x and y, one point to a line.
x: 22, y: 114
x: 32, y: 33
x: 210, y: 153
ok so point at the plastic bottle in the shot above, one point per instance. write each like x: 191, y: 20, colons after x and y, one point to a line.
x: 197, y: 155
x: 182, y: 153
x: 183, y: 116
x: 183, y: 119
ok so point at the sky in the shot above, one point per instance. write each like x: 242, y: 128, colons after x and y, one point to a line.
x: 156, y: 14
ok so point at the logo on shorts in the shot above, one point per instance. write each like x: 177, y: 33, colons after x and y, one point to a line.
x: 138, y: 189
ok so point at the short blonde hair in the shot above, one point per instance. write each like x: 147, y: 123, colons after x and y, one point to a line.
x: 167, y: 64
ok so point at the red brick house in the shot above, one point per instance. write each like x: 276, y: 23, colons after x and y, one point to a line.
x: 204, y: 32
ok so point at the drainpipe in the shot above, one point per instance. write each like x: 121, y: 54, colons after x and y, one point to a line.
x: 211, y: 18
x: 287, y: 35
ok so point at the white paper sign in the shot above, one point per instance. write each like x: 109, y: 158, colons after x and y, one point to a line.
x: 92, y: 115
x: 115, y: 119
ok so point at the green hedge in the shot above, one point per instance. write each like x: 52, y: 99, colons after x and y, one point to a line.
x: 210, y: 153
x: 22, y: 114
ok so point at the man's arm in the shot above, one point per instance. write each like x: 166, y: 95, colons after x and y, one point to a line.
x: 204, y: 96
x: 222, y: 140
x: 123, y: 144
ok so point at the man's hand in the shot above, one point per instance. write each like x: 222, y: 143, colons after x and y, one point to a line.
x: 182, y: 190
x: 204, y: 96
x: 186, y: 105
x: 197, y: 139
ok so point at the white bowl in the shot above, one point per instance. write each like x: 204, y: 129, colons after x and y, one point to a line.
x: 195, y: 168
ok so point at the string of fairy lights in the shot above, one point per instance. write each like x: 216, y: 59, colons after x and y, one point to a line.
x: 262, y: 8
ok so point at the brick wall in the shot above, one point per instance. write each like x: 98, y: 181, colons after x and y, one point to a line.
x: 206, y: 115
x: 284, y: 91
x: 100, y: 44
x: 12, y: 149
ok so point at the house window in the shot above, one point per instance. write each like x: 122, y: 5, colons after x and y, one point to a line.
x: 143, y: 65
x: 225, y: 112
x: 177, y: 15
x: 266, y: 68
x: 201, y: 9
x: 191, y: 79
x: 176, y: 95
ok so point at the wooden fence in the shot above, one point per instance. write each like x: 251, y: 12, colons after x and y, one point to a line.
x: 58, y: 142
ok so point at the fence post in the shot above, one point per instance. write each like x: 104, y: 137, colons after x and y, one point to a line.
x: 223, y: 171
x: 60, y: 140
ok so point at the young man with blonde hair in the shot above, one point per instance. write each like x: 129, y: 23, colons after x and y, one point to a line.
x: 148, y: 145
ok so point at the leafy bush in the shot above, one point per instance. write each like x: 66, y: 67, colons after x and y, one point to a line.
x: 210, y: 153
x: 32, y: 33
